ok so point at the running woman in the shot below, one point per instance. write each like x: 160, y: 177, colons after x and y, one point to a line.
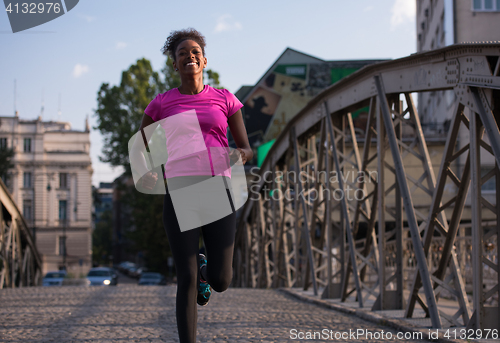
x: 215, y: 110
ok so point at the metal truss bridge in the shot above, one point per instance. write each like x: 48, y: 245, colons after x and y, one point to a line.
x: 402, y: 235
x: 20, y: 263
x: 399, y: 235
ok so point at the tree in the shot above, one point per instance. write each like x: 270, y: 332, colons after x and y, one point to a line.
x: 148, y: 234
x: 213, y: 78
x: 6, y: 155
x: 172, y: 78
x: 120, y: 110
x: 102, y: 239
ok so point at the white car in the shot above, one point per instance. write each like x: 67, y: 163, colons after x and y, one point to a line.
x: 54, y: 278
x: 102, y: 276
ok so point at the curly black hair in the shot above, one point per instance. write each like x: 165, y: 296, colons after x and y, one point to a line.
x: 176, y: 37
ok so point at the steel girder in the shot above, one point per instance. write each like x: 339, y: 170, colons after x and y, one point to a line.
x: 20, y: 263
x: 289, y: 238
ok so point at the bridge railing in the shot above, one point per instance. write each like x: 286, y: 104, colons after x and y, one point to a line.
x: 20, y: 263
x: 301, y: 227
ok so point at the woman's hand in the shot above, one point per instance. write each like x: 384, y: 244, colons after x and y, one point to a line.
x: 237, y: 127
x: 148, y: 181
x: 244, y: 154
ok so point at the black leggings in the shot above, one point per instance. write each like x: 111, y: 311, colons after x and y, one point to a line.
x: 219, y: 238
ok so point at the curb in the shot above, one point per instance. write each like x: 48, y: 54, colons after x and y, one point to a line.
x: 375, y: 318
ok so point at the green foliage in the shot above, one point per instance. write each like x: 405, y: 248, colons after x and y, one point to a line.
x: 172, y: 78
x: 102, y: 239
x: 120, y: 110
x: 6, y: 162
x: 213, y: 79
x: 148, y: 234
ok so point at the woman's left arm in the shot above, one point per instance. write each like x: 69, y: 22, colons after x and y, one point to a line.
x: 239, y: 133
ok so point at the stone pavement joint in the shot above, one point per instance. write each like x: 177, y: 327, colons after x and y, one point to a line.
x: 131, y: 313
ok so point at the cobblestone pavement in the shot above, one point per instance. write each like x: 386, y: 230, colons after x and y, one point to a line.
x: 129, y: 313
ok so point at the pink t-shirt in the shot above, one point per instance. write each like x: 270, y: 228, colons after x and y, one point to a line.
x: 195, y: 129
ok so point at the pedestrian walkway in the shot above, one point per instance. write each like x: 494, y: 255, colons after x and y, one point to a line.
x: 396, y: 320
x: 131, y: 313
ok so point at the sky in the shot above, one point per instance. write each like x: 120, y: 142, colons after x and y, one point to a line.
x: 65, y: 61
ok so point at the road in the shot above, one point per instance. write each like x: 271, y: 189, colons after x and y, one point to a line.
x: 131, y: 313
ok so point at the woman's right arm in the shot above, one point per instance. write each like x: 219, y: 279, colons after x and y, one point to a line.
x: 137, y: 160
x: 146, y: 121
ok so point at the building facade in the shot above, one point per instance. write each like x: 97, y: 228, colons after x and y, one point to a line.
x: 445, y: 22
x: 283, y: 90
x: 51, y: 185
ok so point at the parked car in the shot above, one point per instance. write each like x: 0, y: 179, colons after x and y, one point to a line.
x: 130, y: 269
x: 133, y: 272
x: 122, y: 267
x: 102, y: 276
x: 54, y: 278
x: 138, y: 272
x: 152, y: 279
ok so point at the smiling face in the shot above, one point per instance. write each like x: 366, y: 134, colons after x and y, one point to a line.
x: 189, y: 58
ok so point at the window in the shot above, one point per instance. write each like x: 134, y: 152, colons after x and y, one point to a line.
x: 3, y: 143
x: 27, y: 180
x: 27, y: 209
x: 62, y: 209
x: 62, y: 245
x: 486, y: 5
x: 63, y: 180
x: 27, y: 145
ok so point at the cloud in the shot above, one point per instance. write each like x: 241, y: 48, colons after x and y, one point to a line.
x: 80, y: 69
x: 86, y: 17
x: 226, y: 23
x: 368, y: 8
x: 403, y: 11
x: 120, y: 45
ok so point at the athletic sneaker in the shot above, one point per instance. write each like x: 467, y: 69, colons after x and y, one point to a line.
x: 204, y: 290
